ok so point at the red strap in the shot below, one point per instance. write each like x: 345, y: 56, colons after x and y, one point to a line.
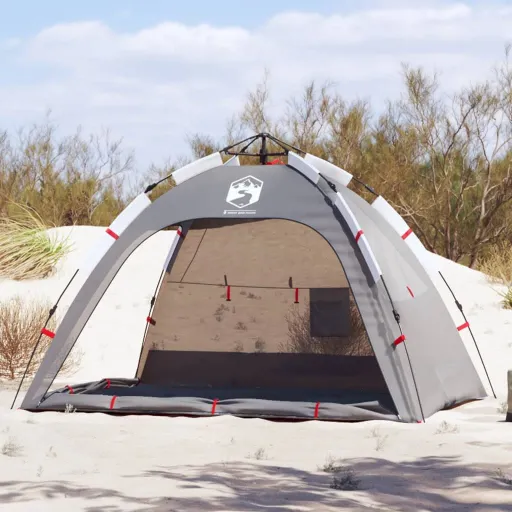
x: 407, y: 233
x: 410, y: 291
x: 274, y: 162
x: 214, y: 406
x: 48, y: 333
x: 115, y: 236
x: 317, y: 407
x: 399, y: 340
x: 149, y: 320
x: 358, y: 235
x: 296, y: 295
x: 71, y: 390
x: 463, y: 326
x: 108, y: 384
x: 180, y: 233
x: 228, y: 293
x: 113, y: 401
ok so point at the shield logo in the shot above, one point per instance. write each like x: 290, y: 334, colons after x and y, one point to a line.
x: 244, y: 192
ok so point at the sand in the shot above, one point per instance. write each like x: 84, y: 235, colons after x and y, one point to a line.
x: 96, y: 462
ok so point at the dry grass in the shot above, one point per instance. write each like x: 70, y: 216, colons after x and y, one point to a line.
x: 331, y: 465
x: 498, y: 264
x: 503, y: 477
x: 11, y: 448
x: 238, y: 346
x: 219, y: 312
x: 259, y: 345
x: 343, y: 477
x: 380, y: 438
x: 69, y: 409
x: 240, y: 326
x: 447, y: 428
x: 301, y: 341
x: 259, y: 454
x: 498, y: 268
x: 20, y: 328
x: 346, y: 480
x: 26, y: 249
x: 506, y: 300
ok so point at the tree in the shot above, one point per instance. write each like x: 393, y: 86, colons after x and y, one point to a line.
x: 68, y: 180
x: 458, y: 163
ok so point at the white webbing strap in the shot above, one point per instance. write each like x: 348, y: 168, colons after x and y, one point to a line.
x: 395, y: 220
x: 197, y: 167
x: 359, y: 236
x: 112, y: 233
x: 305, y: 168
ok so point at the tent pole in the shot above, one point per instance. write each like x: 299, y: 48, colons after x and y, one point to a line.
x: 184, y: 230
x: 397, y: 318
x: 50, y: 314
x: 263, y: 150
x: 459, y: 306
x: 151, y: 305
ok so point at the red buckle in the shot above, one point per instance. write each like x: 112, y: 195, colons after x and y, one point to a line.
x: 463, y: 326
x: 399, y: 340
x: 115, y: 236
x: 407, y: 233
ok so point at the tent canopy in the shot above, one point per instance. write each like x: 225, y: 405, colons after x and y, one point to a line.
x: 285, y: 294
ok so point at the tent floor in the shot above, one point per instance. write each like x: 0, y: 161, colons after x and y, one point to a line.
x: 129, y: 396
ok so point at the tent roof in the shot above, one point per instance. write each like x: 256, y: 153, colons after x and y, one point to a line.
x: 436, y: 370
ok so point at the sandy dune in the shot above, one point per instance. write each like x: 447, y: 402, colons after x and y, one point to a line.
x: 95, y: 462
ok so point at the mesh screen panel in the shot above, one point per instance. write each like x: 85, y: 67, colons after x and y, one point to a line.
x: 261, y: 337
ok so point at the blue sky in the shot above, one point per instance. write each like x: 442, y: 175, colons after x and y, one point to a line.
x: 21, y: 18
x: 155, y: 71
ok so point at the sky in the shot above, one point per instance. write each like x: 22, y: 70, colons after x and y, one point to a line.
x: 157, y: 71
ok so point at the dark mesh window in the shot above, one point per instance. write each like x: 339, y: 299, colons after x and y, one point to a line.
x: 329, y: 311
x: 291, y: 325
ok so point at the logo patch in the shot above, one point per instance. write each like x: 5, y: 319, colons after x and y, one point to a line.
x: 244, y: 192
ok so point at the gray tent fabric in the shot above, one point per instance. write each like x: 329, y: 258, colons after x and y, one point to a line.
x: 442, y: 366
x: 443, y: 370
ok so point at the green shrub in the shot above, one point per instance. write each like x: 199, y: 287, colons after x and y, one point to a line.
x: 27, y: 251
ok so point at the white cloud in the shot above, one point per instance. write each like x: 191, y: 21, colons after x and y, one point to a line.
x: 156, y: 85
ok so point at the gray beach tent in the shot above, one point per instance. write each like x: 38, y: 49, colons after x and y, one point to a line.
x: 284, y: 295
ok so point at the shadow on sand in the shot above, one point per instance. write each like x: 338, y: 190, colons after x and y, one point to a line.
x: 431, y: 483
